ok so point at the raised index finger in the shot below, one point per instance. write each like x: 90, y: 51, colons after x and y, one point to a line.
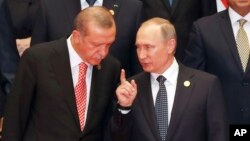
x: 123, y: 76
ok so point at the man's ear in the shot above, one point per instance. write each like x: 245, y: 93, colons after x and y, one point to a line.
x: 76, y: 36
x: 171, y: 46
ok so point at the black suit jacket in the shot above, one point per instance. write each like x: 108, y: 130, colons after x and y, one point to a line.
x: 8, y: 54
x: 198, y: 112
x: 55, y: 20
x: 42, y: 103
x: 213, y: 48
x: 23, y: 14
x: 182, y: 14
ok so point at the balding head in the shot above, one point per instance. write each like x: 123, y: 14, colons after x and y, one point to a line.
x: 166, y: 28
x: 97, y: 15
x: 93, y: 34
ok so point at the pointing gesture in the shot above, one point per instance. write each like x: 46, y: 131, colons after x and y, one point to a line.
x: 127, y: 91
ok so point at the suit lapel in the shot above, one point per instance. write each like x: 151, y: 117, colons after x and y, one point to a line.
x: 72, y: 8
x: 182, y: 96
x: 248, y: 67
x: 227, y: 31
x: 168, y: 7
x: 174, y: 5
x: 62, y: 69
x: 95, y: 95
x: 146, y: 102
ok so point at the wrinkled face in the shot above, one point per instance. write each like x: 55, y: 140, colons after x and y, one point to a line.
x: 94, y: 46
x: 239, y: 5
x: 154, y: 53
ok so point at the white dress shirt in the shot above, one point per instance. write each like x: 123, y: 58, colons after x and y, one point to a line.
x: 84, y: 4
x: 235, y: 24
x: 171, y: 75
x: 75, y: 60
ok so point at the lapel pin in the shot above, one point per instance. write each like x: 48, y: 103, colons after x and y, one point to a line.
x: 186, y: 83
x: 99, y: 67
x: 112, y: 12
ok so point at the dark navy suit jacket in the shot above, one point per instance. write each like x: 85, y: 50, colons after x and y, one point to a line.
x: 8, y: 54
x: 213, y: 49
x: 198, y: 112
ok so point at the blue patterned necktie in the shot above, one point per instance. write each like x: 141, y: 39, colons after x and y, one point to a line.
x: 170, y: 2
x: 91, y: 2
x: 161, y: 108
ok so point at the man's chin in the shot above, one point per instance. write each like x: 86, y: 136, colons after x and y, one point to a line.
x: 97, y: 62
x: 146, y: 69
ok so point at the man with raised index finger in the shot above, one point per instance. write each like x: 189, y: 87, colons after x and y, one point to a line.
x: 168, y: 101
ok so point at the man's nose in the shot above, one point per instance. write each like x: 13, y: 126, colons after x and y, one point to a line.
x: 141, y: 54
x: 103, y: 51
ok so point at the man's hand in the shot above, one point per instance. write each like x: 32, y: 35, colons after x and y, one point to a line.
x: 127, y: 91
x: 22, y: 45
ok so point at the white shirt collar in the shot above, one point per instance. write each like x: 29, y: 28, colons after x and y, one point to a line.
x: 170, y: 74
x: 84, y: 3
x: 234, y: 16
x: 74, y: 58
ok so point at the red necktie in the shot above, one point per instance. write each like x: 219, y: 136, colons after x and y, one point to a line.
x: 81, y: 93
x: 225, y: 3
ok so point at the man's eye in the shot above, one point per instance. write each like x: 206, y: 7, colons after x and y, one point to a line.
x: 149, y: 46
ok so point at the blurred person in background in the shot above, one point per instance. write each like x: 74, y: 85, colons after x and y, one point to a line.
x: 8, y: 57
x: 219, y: 44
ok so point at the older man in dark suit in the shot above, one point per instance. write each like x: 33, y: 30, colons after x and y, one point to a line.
x: 64, y: 89
x: 55, y: 20
x: 215, y: 47
x: 171, y: 102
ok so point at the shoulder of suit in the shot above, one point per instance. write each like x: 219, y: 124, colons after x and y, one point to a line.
x: 46, y: 48
x: 139, y: 76
x: 196, y: 74
x: 207, y: 20
x: 110, y: 60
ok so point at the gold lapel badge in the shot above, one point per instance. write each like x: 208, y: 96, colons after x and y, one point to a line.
x: 99, y: 67
x: 187, y: 83
x: 112, y: 12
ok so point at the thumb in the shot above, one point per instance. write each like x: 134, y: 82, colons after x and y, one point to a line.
x: 133, y: 83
